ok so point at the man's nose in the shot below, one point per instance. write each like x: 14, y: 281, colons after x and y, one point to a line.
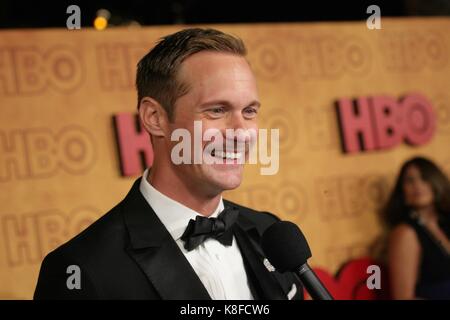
x: 242, y: 128
x: 236, y: 121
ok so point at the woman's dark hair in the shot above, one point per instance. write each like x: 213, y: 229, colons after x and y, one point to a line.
x: 396, y: 210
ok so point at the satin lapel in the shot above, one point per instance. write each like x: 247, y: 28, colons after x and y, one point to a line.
x: 157, y: 254
x: 245, y: 235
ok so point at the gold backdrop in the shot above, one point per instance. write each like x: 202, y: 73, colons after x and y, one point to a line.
x: 59, y: 163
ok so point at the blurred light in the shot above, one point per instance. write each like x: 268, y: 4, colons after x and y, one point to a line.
x: 100, y: 23
x: 133, y: 24
x: 104, y: 13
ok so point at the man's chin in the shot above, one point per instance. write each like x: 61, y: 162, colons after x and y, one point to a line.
x: 228, y: 183
x: 231, y: 186
x: 222, y: 179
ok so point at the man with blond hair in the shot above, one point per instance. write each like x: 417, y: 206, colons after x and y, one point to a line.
x: 173, y: 236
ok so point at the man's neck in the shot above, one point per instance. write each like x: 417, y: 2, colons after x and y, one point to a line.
x: 171, y: 186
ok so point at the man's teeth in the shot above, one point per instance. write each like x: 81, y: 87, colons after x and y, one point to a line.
x: 227, y: 155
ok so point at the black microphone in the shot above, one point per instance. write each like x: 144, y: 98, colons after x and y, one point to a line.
x: 287, y: 249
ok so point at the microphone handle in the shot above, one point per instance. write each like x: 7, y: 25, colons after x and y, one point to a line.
x: 315, y: 288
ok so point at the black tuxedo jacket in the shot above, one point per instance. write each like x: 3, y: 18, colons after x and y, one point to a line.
x: 129, y: 254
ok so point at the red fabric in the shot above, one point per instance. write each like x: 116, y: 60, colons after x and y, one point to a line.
x: 350, y: 281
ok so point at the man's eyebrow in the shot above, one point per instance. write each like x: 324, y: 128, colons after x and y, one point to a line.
x: 254, y: 103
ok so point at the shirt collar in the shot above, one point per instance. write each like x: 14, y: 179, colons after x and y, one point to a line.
x: 174, y: 215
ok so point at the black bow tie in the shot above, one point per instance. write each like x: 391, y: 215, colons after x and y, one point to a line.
x: 219, y: 228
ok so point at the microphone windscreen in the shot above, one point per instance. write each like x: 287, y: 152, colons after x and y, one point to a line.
x: 285, y: 246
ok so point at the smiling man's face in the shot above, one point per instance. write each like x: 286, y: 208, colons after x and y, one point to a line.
x: 222, y: 94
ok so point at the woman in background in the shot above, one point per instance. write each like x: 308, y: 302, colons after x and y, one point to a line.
x: 418, y: 213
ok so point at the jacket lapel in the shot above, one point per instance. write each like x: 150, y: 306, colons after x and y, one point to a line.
x: 247, y: 237
x: 157, y: 254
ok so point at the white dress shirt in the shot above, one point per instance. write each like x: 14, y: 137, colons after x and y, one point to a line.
x: 220, y: 268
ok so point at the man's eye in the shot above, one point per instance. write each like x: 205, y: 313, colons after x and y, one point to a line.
x: 217, y: 111
x: 251, y: 112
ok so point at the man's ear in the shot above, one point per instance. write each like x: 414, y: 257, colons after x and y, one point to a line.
x: 153, y: 117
